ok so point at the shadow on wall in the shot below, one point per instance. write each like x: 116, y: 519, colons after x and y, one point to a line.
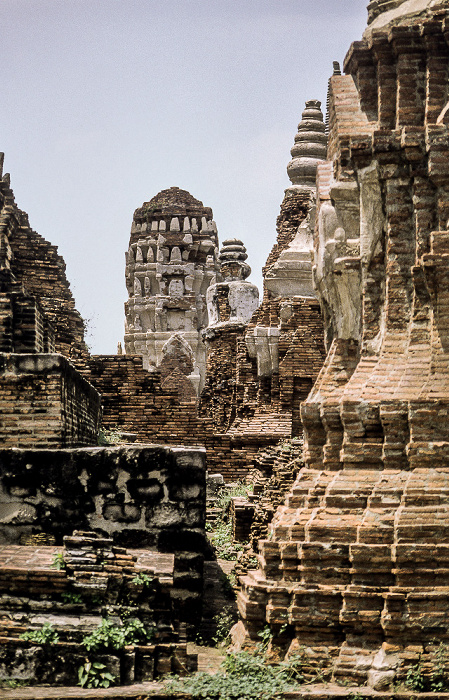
x: 143, y: 497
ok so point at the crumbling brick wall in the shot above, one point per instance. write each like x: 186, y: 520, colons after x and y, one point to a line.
x: 45, y: 402
x: 34, y: 263
x: 258, y: 373
x: 249, y: 412
x: 134, y: 402
x: 24, y: 327
x: 41, y: 270
x: 218, y: 398
x: 150, y: 497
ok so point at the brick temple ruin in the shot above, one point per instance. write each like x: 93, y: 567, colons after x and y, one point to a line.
x: 355, y: 561
x: 170, y: 263
x: 332, y: 396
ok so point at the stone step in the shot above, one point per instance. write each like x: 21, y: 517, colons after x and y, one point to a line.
x: 136, y: 692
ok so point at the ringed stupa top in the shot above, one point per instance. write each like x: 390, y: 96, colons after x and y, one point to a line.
x: 232, y: 260
x: 310, y: 149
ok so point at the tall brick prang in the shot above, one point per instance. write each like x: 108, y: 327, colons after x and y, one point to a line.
x: 171, y: 261
x: 356, y: 560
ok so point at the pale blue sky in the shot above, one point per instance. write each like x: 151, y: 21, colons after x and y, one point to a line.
x: 106, y: 102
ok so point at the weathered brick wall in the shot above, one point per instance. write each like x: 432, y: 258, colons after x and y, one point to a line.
x: 294, y: 210
x: 300, y: 347
x: 33, y: 262
x: 44, y: 401
x: 246, y: 412
x: 263, y: 410
x: 133, y: 401
x: 218, y: 396
x: 251, y: 407
x: 6, y: 323
x: 143, y: 497
x: 23, y: 324
x: 41, y: 269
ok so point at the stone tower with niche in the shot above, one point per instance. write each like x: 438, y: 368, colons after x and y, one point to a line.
x: 171, y: 261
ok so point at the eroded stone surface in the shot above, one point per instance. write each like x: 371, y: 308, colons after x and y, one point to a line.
x: 146, y: 496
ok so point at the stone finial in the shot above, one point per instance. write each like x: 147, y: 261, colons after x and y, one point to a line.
x: 336, y: 68
x: 174, y: 224
x: 232, y: 260
x: 310, y: 148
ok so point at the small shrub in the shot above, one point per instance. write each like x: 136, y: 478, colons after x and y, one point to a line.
x: 13, y: 683
x: 221, y: 540
x: 243, y: 676
x: 109, y: 437
x: 111, y: 636
x: 107, y: 635
x: 294, y: 668
x: 58, y: 561
x: 438, y: 678
x: 46, y: 635
x: 226, y: 493
x: 224, y: 621
x: 142, y: 579
x: 415, y: 679
x: 266, y: 637
x: 136, y: 633
x: 70, y: 597
x: 94, y: 675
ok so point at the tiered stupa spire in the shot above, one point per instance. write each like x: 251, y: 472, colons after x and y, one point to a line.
x: 309, y: 149
x: 233, y: 300
x: 291, y: 272
x: 232, y: 260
